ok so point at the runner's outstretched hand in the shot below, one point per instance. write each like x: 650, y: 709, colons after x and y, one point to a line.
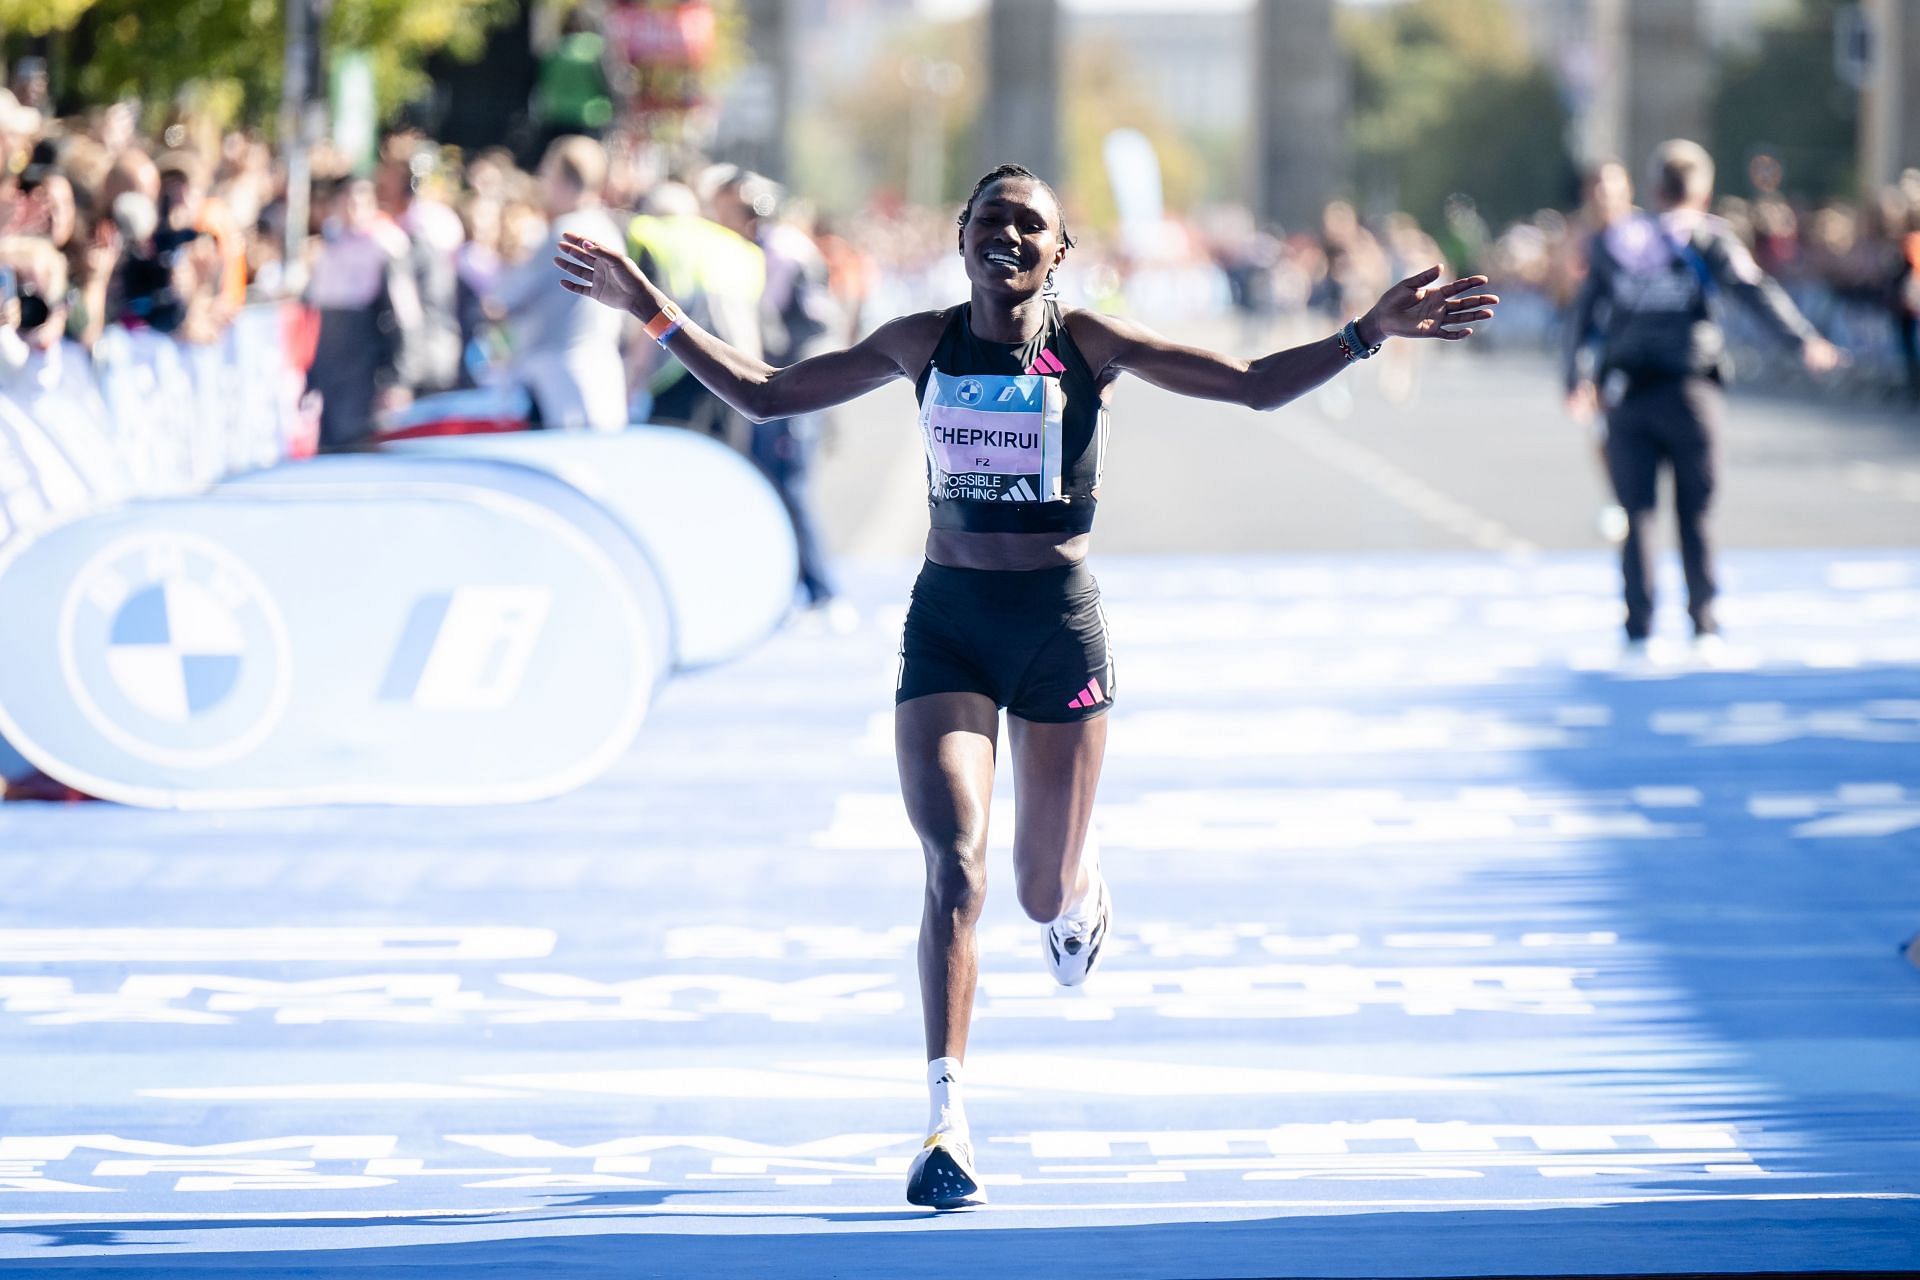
x: 1419, y: 308
x: 605, y: 275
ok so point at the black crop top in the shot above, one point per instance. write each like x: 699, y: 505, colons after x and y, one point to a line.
x: 1015, y: 434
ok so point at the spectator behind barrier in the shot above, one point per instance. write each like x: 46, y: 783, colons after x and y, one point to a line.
x: 219, y: 261
x: 430, y: 356
x: 368, y: 308
x: 566, y: 350
x: 798, y: 315
x: 717, y: 276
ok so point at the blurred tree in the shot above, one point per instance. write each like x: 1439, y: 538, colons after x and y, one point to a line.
x: 1784, y: 98
x: 152, y: 49
x: 1448, y: 97
x: 864, y: 142
x: 916, y: 107
x: 39, y: 17
x: 1102, y: 94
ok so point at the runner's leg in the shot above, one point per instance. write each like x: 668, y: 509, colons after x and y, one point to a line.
x: 1056, y: 770
x: 944, y: 744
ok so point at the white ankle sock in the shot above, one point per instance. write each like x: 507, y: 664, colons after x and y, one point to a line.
x: 945, y: 1111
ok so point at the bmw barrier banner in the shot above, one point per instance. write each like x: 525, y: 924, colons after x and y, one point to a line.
x: 360, y: 471
x: 14, y: 767
x: 58, y: 457
x: 263, y: 422
x: 709, y: 520
x: 353, y: 630
x: 150, y: 400
x: 37, y: 482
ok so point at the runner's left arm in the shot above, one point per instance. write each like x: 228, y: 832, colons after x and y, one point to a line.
x: 1417, y: 307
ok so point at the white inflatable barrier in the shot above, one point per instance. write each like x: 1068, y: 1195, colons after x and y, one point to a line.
x: 465, y: 619
x: 350, y: 630
x: 710, y: 522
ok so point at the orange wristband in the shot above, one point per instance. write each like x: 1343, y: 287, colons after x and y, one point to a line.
x: 665, y: 324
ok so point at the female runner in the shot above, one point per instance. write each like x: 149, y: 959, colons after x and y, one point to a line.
x: 1013, y: 398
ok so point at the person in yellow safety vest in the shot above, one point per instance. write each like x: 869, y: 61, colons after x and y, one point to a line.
x: 718, y: 276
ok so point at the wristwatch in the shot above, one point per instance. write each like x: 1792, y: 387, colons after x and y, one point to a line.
x: 1351, y: 344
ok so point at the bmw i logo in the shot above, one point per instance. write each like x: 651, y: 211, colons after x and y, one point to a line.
x: 174, y: 651
x: 969, y: 391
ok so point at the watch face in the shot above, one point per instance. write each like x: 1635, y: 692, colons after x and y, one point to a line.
x: 173, y: 650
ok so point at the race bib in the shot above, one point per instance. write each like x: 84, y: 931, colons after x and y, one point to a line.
x: 992, y: 437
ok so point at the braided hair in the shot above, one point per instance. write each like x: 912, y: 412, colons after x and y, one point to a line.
x: 1014, y: 171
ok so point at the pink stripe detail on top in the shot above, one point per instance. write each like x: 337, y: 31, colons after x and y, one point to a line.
x: 1093, y: 687
x: 1046, y: 363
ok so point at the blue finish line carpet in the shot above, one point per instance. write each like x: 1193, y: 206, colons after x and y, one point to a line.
x: 1447, y: 943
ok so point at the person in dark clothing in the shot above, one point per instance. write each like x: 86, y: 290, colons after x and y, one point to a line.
x: 1653, y: 297
x: 369, y: 313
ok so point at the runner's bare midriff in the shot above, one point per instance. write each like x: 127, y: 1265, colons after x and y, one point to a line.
x: 959, y: 549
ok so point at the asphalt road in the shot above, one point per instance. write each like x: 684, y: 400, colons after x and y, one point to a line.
x: 1444, y: 945
x: 1477, y: 456
x: 1448, y: 943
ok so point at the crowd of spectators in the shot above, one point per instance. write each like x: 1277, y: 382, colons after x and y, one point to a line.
x: 1852, y: 266
x: 429, y: 270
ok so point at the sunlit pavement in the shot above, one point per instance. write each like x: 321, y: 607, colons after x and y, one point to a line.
x: 1447, y: 943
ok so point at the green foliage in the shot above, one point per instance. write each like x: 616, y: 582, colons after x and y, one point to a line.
x: 153, y: 49
x: 863, y: 141
x: 401, y: 34
x: 1447, y: 97
x: 1783, y: 98
x: 38, y: 17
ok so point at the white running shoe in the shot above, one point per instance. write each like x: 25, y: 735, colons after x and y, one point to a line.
x: 1073, y: 943
x: 1613, y: 524
x: 942, y: 1175
x: 1709, y: 649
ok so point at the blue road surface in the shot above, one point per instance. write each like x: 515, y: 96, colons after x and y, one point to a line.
x: 1447, y: 944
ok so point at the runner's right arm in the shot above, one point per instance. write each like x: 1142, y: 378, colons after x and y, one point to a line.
x: 755, y: 389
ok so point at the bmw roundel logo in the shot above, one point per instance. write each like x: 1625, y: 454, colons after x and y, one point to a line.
x: 969, y: 391
x: 174, y: 651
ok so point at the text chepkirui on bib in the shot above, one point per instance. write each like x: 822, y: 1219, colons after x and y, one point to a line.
x: 992, y: 437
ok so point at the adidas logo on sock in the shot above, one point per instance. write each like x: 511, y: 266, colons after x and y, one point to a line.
x: 1088, y: 697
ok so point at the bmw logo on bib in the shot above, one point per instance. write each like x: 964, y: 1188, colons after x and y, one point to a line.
x: 173, y: 651
x: 969, y: 391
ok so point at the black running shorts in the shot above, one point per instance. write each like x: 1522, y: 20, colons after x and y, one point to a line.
x: 1034, y: 641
